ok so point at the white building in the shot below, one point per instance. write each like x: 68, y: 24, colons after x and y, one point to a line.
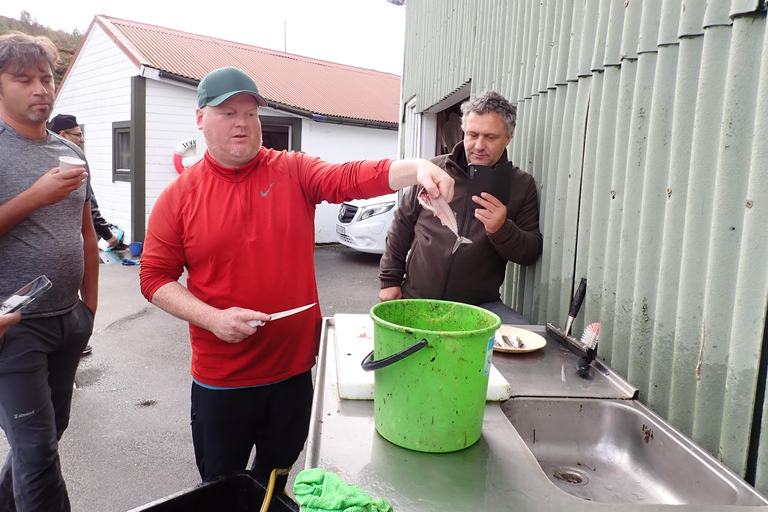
x: 133, y: 88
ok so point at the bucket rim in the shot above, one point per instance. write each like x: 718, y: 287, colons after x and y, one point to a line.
x: 455, y: 334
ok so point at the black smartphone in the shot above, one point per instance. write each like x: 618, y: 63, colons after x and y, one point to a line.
x: 494, y: 180
x: 25, y: 295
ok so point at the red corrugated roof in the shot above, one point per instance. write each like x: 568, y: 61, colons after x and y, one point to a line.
x: 315, y: 86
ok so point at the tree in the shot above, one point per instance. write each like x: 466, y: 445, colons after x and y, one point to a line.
x: 66, y: 43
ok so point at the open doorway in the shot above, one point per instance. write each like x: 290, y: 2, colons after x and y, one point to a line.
x: 281, y: 133
x: 276, y: 137
x: 449, y: 131
x: 435, y: 130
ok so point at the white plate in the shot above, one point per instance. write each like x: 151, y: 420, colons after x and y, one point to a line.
x: 531, y: 340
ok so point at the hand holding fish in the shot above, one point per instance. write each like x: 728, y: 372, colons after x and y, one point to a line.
x: 493, y: 214
x: 435, y: 181
x: 404, y: 173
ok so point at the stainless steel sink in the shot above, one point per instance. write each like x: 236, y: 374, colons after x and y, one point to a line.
x: 619, y: 451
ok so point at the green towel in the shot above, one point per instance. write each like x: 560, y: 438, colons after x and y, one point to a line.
x: 318, y: 491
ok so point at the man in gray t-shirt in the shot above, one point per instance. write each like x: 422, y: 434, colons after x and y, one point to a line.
x: 45, y: 228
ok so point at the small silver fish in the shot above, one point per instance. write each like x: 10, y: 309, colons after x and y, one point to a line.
x: 442, y: 211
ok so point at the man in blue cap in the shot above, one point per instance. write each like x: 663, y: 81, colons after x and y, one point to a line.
x: 241, y: 221
x: 66, y: 126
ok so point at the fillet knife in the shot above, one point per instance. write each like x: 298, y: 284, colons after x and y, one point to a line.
x: 282, y: 314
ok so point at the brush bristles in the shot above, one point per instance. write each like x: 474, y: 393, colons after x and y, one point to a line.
x: 590, y: 335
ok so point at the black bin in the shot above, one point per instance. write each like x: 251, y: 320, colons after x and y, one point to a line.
x: 235, y: 493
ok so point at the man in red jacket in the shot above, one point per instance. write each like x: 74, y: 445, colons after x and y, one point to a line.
x: 242, y: 223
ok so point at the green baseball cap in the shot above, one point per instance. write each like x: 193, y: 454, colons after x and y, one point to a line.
x: 221, y: 84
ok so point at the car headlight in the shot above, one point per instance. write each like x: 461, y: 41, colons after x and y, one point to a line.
x: 376, y: 209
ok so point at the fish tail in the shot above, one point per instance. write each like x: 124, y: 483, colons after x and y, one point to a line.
x: 460, y: 240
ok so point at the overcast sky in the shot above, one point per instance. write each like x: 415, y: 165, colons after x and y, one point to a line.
x: 364, y: 33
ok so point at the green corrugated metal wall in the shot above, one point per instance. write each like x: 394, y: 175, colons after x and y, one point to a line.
x: 645, y: 123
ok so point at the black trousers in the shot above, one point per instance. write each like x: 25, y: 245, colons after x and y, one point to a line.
x: 227, y: 424
x: 38, y: 362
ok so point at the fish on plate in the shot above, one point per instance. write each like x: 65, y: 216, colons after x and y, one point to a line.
x: 440, y: 208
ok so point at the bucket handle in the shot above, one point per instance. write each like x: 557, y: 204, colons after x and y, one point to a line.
x: 369, y: 364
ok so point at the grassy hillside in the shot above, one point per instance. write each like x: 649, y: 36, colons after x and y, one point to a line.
x: 66, y: 42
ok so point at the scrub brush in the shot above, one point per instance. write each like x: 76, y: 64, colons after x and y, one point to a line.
x: 589, y: 340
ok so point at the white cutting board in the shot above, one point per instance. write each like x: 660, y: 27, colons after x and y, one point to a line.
x: 354, y: 340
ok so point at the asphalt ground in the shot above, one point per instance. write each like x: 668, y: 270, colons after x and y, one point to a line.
x: 129, y: 441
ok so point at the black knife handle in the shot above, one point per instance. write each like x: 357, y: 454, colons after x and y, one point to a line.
x: 578, y: 298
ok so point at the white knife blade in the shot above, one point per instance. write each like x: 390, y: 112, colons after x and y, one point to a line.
x: 281, y: 314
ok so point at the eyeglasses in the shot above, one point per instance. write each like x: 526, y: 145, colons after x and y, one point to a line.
x: 80, y: 135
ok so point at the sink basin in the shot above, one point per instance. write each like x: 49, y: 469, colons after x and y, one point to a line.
x: 619, y: 451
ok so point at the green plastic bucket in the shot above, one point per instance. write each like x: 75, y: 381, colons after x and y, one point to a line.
x: 431, y: 360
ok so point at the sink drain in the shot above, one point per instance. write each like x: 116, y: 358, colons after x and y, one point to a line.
x: 571, y: 476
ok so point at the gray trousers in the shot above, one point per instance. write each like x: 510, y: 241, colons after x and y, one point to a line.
x: 506, y: 313
x: 38, y: 362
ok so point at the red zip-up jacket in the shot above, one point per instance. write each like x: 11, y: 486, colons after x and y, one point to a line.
x: 246, y: 237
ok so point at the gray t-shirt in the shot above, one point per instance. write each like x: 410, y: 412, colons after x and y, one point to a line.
x: 48, y: 242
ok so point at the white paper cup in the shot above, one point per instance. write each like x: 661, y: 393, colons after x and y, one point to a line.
x: 68, y: 162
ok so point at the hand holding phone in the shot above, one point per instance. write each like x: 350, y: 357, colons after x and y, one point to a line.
x: 25, y: 295
x: 494, y: 180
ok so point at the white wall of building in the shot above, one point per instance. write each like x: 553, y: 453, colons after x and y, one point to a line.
x: 170, y: 121
x: 343, y: 143
x: 97, y: 92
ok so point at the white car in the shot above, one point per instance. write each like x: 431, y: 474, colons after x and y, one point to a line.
x: 363, y: 223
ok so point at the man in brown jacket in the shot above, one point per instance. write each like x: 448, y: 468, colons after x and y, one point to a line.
x: 499, y: 232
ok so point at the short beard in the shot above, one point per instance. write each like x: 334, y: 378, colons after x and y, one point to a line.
x: 242, y: 155
x: 40, y: 118
x: 248, y: 152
